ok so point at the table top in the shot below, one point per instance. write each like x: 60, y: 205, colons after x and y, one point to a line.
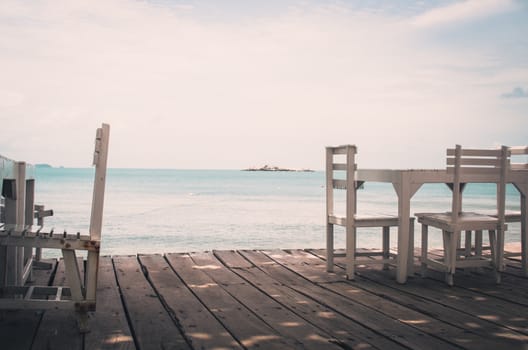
x: 421, y: 176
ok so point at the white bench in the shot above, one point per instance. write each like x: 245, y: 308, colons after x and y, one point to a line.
x: 19, y: 234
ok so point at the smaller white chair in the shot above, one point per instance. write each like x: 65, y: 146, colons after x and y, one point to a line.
x: 464, y: 162
x: 510, y: 216
x: 351, y: 221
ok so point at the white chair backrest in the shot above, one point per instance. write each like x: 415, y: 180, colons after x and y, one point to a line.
x: 349, y: 166
x: 99, y: 161
x: 478, y: 161
x: 519, y: 151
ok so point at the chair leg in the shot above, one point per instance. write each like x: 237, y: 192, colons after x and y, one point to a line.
x: 350, y: 252
x: 451, y: 256
x: 73, y: 277
x: 447, y: 253
x: 498, y: 277
x: 478, y: 243
x: 423, y: 265
x: 524, y: 235
x: 493, y: 247
x: 499, y: 252
x: 494, y: 256
x: 329, y: 247
x: 410, y: 259
x: 449, y: 279
x: 386, y: 243
x: 92, y: 268
x: 467, y: 243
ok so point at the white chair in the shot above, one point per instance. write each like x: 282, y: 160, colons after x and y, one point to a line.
x: 80, y: 293
x: 351, y: 221
x: 462, y: 163
x: 510, y: 216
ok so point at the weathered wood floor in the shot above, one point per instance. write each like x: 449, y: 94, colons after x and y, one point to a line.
x: 276, y: 300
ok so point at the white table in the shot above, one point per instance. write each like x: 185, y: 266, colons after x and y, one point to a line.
x: 408, y: 181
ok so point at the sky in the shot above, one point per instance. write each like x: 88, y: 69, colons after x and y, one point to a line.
x: 207, y: 84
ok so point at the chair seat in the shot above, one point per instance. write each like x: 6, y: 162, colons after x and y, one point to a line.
x: 510, y: 216
x: 366, y: 220
x: 466, y: 221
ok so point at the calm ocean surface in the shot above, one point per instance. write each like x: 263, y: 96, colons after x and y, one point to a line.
x: 157, y: 211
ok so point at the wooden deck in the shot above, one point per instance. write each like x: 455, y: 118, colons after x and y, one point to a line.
x: 276, y: 300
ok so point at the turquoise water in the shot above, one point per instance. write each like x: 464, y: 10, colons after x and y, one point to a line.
x: 157, y: 211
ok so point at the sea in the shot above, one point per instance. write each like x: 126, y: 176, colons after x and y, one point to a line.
x: 165, y: 210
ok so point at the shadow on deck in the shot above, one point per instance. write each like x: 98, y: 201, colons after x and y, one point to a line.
x: 281, y: 299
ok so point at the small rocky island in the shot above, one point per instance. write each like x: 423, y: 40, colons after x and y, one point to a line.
x: 275, y: 168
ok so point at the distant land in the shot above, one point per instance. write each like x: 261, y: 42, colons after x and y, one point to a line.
x: 43, y: 165
x: 275, y: 168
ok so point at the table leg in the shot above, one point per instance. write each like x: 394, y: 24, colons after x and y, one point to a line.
x: 329, y: 247
x: 410, y: 260
x: 404, y: 211
x: 523, y: 191
x: 405, y: 189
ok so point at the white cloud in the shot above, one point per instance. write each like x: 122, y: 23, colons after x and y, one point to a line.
x: 10, y: 98
x: 463, y: 11
x: 181, y: 91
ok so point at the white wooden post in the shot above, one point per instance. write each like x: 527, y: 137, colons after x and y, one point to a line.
x: 20, y: 218
x: 10, y: 219
x: 350, y: 211
x: 501, y: 208
x: 29, y: 210
x: 100, y: 160
x: 404, y: 192
x: 96, y: 218
x: 329, y: 209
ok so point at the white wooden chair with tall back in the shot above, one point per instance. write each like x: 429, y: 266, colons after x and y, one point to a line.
x: 80, y: 292
x: 462, y: 163
x: 351, y: 220
x: 510, y: 216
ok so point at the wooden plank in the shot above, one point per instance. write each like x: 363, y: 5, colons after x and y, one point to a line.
x: 519, y: 166
x: 368, y: 315
x: 100, y: 161
x: 342, y: 149
x: 199, y: 325
x: 18, y: 327
x: 151, y: 324
x: 43, y: 271
x: 518, y: 150
x: 512, y: 287
x: 500, y: 312
x: 60, y: 279
x: 339, y: 167
x: 58, y: 328
x: 349, y: 333
x: 464, y: 329
x: 483, y: 162
x: 467, y: 152
x: 282, y: 319
x: 247, y: 327
x: 108, y: 325
x: 339, y: 184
